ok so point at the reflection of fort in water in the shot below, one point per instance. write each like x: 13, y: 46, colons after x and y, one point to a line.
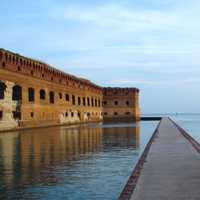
x: 33, y: 151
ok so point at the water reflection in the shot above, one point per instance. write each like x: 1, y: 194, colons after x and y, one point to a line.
x: 60, y: 156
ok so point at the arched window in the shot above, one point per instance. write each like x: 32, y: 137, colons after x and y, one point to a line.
x: 19, y: 68
x: 95, y: 103
x: 42, y: 94
x: 83, y: 101
x: 60, y: 95
x: 31, y: 95
x: 73, y: 100
x: 67, y: 97
x: 2, y: 89
x: 88, y: 101
x: 17, y: 93
x: 51, y: 97
x: 1, y: 114
x: 32, y: 114
x: 17, y: 115
x: 79, y: 101
x: 92, y: 102
x: 3, y: 64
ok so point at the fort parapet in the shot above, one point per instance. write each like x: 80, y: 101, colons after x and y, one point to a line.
x: 34, y: 94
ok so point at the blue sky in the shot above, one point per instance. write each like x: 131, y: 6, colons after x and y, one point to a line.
x: 149, y: 44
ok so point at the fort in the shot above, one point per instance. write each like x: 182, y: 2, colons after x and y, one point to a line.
x: 34, y: 94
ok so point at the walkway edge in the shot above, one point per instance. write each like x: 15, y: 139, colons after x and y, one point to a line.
x: 194, y: 143
x: 132, y: 181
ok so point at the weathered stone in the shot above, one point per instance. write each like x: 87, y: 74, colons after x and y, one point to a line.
x: 52, y: 97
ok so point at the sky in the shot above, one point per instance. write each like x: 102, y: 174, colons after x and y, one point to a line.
x: 149, y: 44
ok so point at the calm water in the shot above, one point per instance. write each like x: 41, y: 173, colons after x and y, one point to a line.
x: 77, y: 162
x: 190, y: 122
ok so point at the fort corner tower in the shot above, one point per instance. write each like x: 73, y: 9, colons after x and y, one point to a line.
x: 121, y: 104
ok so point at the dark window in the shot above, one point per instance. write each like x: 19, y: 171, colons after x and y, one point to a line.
x: 72, y: 114
x: 3, y: 64
x: 95, y: 102
x: 88, y: 114
x: 66, y: 114
x: 42, y: 94
x: 51, y: 97
x: 52, y: 78
x: 105, y: 103
x: 32, y: 114
x: 31, y: 95
x: 79, y: 114
x: 31, y: 72
x: 2, y: 89
x: 127, y: 103
x: 60, y: 95
x: 16, y: 115
x: 42, y: 75
x: 116, y: 103
x: 1, y: 115
x: 67, y: 97
x: 73, y: 100
x: 128, y: 113
x: 19, y: 69
x: 105, y: 113
x: 79, y: 101
x: 115, y: 113
x: 17, y: 93
x: 88, y: 101
x: 83, y: 101
x: 92, y: 102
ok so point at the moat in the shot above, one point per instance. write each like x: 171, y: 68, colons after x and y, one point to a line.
x: 91, y: 161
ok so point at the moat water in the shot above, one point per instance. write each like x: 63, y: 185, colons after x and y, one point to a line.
x: 190, y: 122
x: 78, y: 162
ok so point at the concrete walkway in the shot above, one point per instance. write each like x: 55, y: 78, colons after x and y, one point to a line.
x: 172, y: 168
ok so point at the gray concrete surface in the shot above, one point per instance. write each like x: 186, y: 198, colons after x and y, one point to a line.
x: 172, y: 168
